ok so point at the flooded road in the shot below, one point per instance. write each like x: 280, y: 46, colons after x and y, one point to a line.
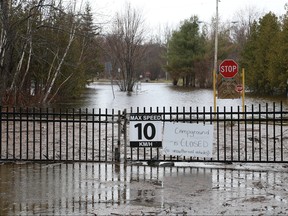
x: 111, y: 189
x: 100, y: 95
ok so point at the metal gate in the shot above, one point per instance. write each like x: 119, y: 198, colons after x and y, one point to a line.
x: 257, y: 135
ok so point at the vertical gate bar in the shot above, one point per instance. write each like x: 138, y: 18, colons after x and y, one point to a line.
x: 190, y: 114
x: 204, y: 115
x: 211, y: 115
x: 157, y: 150
x: 281, y: 130
x: 171, y: 118
x: 1, y: 132
x: 113, y: 131
x: 80, y: 134
x: 177, y: 120
x: 218, y: 136
x: 67, y: 134
x: 274, y: 130
x: 190, y: 121
x: 231, y: 131
x: 106, y: 134
x: 253, y: 137
x: 197, y: 115
x: 47, y: 133
x: 131, y: 149
x: 245, y: 119
x: 34, y: 133
x: 53, y: 125
x: 211, y: 123
x: 118, y: 158
x: 204, y: 118
x: 183, y: 113
x: 99, y: 134
x: 164, y: 120
x: 125, y: 136
x: 239, y: 136
x: 138, y: 150
x: 93, y: 134
x: 7, y: 133
x: 14, y: 133
x: 27, y: 133
x: 224, y: 120
x: 260, y: 134
x: 53, y: 129
x: 40, y: 135
x: 20, y: 133
x: 267, y: 140
x: 60, y: 134
x: 151, y: 149
x: 73, y: 135
x: 86, y: 135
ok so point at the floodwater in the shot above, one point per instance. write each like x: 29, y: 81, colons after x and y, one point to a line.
x: 111, y: 189
x: 103, y: 95
x: 115, y: 189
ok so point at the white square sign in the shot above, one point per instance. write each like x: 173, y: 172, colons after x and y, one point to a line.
x: 146, y: 131
x: 191, y: 140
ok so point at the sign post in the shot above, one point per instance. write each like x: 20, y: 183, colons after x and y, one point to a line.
x: 231, y: 84
x: 228, y: 83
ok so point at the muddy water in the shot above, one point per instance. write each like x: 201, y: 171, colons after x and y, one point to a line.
x: 109, y: 189
x: 100, y: 95
x: 103, y: 189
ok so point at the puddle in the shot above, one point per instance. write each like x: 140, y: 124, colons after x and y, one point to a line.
x: 103, y: 189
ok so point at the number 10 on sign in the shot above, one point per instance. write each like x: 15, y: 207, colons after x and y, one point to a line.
x: 146, y: 134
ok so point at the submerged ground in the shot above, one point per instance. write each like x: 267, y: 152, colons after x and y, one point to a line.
x: 116, y: 189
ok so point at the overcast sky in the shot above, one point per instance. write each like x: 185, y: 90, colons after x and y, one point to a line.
x: 172, y: 12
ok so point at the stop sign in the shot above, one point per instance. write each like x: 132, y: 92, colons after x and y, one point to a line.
x: 228, y: 68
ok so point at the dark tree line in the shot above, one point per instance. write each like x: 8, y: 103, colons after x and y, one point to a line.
x: 265, y: 55
x: 259, y: 45
x: 48, y: 51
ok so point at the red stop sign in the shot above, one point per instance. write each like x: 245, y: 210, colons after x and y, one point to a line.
x: 228, y: 68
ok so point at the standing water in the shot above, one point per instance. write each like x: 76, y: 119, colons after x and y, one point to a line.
x: 100, y: 95
x: 111, y: 189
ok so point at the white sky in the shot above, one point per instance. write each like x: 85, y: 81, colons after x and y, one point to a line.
x: 171, y: 12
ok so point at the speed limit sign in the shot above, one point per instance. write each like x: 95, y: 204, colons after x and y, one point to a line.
x: 145, y: 130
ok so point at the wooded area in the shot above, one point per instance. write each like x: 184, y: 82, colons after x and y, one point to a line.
x: 50, y: 51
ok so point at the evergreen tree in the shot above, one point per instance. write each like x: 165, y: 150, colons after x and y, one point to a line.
x: 186, y: 47
x: 260, y: 55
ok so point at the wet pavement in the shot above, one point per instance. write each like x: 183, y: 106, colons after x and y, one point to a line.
x: 116, y: 189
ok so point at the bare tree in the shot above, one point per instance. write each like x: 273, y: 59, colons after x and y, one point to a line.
x: 241, y: 25
x: 125, y: 45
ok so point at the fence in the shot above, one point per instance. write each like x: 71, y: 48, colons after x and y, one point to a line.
x: 50, y: 135
x: 259, y: 134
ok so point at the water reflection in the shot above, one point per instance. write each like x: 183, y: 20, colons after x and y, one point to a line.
x: 74, y: 189
x: 99, y: 95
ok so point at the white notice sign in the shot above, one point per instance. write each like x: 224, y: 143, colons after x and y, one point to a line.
x: 190, y: 140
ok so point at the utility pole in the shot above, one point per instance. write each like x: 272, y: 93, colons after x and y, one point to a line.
x: 216, y: 37
x: 215, y: 56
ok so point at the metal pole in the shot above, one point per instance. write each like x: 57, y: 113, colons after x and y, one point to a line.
x: 215, y: 55
x: 243, y: 91
x: 216, y: 37
x: 214, y: 90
